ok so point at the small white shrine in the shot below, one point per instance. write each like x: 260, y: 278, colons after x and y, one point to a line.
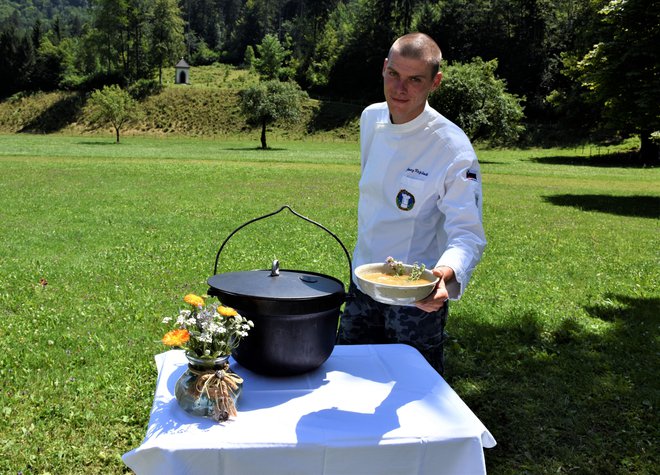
x: 182, y: 72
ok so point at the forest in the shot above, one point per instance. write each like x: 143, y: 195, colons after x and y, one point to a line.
x: 582, y: 70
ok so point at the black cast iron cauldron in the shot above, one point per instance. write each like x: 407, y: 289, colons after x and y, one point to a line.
x: 295, y: 313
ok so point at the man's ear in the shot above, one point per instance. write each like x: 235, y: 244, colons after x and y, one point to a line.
x: 436, y: 81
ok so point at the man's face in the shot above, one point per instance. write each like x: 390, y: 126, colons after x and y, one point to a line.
x: 407, y: 83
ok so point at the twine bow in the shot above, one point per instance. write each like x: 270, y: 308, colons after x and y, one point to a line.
x: 220, y: 386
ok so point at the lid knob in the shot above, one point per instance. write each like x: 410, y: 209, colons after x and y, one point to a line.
x: 275, y: 269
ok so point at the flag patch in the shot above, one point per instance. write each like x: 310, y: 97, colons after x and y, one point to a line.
x: 471, y: 174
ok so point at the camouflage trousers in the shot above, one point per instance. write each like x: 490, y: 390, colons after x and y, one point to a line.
x: 365, y: 321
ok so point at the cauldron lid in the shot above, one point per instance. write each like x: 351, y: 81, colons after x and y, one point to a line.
x: 288, y: 285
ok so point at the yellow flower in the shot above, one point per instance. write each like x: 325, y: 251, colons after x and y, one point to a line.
x: 176, y: 337
x: 194, y: 300
x: 227, y: 311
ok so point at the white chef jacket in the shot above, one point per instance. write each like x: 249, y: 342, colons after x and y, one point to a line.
x: 420, y: 194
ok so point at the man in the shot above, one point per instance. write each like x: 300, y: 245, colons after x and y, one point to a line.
x: 420, y: 201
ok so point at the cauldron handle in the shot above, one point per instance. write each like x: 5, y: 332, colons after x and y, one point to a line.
x: 348, y: 256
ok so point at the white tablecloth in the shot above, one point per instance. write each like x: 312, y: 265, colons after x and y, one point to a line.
x: 369, y: 409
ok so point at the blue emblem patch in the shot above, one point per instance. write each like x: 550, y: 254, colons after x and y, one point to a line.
x: 405, y: 200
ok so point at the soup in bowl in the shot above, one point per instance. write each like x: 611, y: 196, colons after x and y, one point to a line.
x: 380, y: 283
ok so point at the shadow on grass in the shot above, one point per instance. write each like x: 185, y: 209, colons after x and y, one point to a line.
x: 109, y: 141
x: 59, y: 115
x: 642, y: 206
x: 251, y: 149
x: 631, y: 159
x: 576, y: 397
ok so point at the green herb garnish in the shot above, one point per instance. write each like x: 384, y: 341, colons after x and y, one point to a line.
x: 398, y: 267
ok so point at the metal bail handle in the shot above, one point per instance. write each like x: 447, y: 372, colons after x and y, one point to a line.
x: 275, y: 271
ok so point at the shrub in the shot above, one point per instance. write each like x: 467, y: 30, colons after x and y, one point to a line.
x: 476, y: 100
x: 143, y: 88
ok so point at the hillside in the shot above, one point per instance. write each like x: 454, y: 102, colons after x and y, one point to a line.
x: 207, y: 107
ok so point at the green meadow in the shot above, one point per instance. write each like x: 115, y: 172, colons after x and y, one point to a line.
x: 555, y: 345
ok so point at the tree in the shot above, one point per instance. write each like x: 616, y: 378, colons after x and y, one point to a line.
x: 358, y: 68
x: 329, y: 45
x: 269, y: 101
x: 166, y: 42
x: 204, y: 20
x: 572, y: 113
x: 623, y: 70
x: 112, y: 105
x: 248, y: 57
x: 140, y: 18
x: 111, y: 34
x: 122, y: 28
x: 18, y: 60
x: 476, y: 100
x: 271, y: 62
x: 52, y: 65
x: 256, y: 20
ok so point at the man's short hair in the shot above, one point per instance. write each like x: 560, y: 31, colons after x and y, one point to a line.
x: 419, y: 46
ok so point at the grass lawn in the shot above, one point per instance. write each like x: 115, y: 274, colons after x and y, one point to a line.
x: 554, y: 346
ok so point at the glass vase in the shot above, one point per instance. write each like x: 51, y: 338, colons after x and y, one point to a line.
x: 208, y: 388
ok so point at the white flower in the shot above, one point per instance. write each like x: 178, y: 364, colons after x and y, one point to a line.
x: 211, y: 332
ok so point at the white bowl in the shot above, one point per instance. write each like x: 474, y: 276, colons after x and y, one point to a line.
x: 394, y: 294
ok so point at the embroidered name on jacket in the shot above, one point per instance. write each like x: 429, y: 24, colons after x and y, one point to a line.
x: 416, y: 171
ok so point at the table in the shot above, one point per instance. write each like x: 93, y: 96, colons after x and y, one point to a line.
x: 369, y: 409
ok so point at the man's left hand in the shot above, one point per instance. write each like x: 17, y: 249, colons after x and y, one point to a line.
x: 439, y: 296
